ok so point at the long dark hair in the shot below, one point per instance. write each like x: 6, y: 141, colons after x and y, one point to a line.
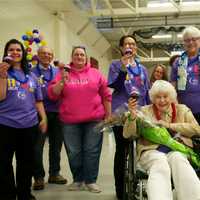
x: 165, y: 75
x: 24, y: 62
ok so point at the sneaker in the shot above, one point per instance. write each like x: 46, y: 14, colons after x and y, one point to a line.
x: 38, y: 184
x: 76, y: 186
x: 57, y: 179
x: 93, y: 187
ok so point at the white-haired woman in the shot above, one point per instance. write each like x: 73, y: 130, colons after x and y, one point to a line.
x: 185, y: 73
x: 160, y: 162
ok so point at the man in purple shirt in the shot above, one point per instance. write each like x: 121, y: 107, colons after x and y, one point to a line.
x: 45, y: 73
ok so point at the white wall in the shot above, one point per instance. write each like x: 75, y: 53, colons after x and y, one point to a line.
x: 16, y: 17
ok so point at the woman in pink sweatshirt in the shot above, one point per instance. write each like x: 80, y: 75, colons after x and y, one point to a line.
x: 85, y: 100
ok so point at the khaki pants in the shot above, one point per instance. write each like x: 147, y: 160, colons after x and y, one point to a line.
x: 161, y: 167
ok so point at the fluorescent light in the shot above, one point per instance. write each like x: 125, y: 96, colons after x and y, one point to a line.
x: 165, y: 36
x: 180, y: 35
x: 169, y: 4
x: 191, y: 3
x: 176, y: 53
x: 158, y: 5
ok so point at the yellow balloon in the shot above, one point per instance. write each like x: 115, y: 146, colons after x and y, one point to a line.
x: 29, y: 33
x: 29, y: 57
x: 43, y: 43
x: 26, y: 43
x: 34, y: 62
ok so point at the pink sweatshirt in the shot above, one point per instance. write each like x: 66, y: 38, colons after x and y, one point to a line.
x: 82, y: 96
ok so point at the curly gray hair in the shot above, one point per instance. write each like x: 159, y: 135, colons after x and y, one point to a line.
x: 162, y: 86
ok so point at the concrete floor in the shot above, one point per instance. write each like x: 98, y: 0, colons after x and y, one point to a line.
x: 105, y: 179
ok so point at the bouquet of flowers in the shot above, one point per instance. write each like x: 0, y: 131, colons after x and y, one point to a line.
x: 160, y: 135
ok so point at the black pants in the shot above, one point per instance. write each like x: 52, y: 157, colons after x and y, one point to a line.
x: 21, y: 143
x: 55, y: 137
x: 119, y: 160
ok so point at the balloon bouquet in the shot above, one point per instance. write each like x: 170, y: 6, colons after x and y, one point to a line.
x: 30, y: 38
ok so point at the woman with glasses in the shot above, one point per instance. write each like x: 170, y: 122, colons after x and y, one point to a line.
x: 85, y: 100
x: 185, y: 74
x: 20, y: 102
x: 124, y: 75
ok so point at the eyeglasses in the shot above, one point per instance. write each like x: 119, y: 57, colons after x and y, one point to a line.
x: 193, y: 39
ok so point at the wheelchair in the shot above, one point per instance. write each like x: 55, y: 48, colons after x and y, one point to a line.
x: 135, y: 179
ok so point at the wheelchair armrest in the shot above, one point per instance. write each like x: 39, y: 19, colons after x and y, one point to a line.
x: 140, y: 174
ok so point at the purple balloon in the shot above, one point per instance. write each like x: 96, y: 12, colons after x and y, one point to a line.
x: 37, y: 40
x: 35, y: 57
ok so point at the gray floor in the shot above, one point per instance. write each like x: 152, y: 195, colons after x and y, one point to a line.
x: 105, y: 179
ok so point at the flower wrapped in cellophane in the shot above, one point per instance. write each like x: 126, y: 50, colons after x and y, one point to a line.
x: 160, y: 135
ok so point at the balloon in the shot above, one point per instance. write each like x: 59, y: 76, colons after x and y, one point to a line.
x: 35, y: 31
x: 28, y: 49
x: 24, y: 37
x: 29, y: 33
x: 35, y: 57
x: 29, y: 57
x: 35, y: 35
x: 34, y: 62
x: 43, y: 43
x: 26, y: 43
x: 37, y: 40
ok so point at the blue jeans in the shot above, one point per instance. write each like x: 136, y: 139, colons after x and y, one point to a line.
x: 55, y: 144
x: 83, y: 145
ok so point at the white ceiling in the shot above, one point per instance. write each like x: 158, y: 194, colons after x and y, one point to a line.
x: 122, y: 17
x: 114, y: 18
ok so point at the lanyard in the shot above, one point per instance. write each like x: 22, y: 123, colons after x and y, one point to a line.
x: 42, y: 75
x: 13, y: 75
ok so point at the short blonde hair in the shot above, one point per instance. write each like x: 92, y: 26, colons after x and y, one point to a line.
x: 162, y: 86
x: 191, y: 31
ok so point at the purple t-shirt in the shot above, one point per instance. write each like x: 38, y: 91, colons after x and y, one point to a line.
x: 18, y: 109
x: 190, y: 96
x: 116, y: 80
x: 44, y: 77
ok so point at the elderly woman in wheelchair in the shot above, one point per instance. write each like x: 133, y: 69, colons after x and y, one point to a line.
x: 162, y: 163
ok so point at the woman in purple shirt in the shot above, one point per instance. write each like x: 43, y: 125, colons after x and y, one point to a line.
x: 185, y: 73
x: 124, y: 75
x: 20, y: 103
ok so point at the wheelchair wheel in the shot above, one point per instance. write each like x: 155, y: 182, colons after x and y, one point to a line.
x: 129, y: 175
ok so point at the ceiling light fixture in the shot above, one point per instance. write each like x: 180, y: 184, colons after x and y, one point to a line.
x: 165, y: 36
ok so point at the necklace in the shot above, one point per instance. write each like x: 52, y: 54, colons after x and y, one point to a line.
x: 158, y: 116
x: 131, y: 71
x: 13, y: 75
x: 42, y: 75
